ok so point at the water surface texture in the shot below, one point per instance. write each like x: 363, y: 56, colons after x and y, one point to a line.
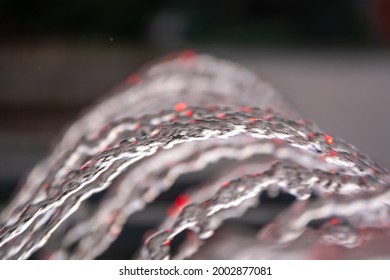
x: 251, y: 178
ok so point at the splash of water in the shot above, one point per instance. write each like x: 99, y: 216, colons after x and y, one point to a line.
x: 154, y: 150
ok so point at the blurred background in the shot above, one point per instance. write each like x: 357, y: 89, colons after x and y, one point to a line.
x: 330, y: 58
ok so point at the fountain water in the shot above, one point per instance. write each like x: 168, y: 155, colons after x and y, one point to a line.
x: 178, y: 117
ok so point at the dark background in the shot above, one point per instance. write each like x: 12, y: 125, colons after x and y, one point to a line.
x: 329, y: 57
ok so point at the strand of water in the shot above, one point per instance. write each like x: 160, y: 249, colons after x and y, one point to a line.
x: 99, y: 172
x: 188, y: 79
x: 207, y: 216
x: 112, y: 140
